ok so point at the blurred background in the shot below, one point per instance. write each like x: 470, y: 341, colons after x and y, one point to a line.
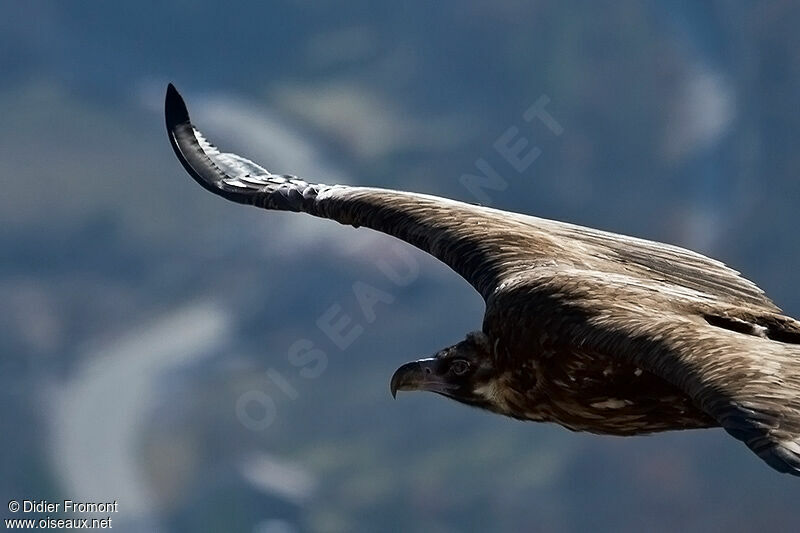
x: 150, y: 331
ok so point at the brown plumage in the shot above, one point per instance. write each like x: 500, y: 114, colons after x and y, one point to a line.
x: 591, y: 330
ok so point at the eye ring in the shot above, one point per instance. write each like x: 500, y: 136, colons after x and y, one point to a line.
x: 459, y: 367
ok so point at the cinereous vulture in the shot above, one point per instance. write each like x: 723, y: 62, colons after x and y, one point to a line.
x: 588, y: 329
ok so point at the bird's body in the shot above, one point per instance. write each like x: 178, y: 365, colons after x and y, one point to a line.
x: 591, y: 330
x: 590, y: 392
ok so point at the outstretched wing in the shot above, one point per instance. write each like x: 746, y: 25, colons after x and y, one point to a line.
x: 485, y: 246
x: 741, y: 367
x: 479, y: 243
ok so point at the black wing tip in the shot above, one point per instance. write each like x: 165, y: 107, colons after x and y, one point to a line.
x: 782, y: 459
x: 184, y: 144
x: 175, y: 110
x: 783, y: 456
x: 195, y: 160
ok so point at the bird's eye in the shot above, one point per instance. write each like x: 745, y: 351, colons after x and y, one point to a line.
x: 459, y: 367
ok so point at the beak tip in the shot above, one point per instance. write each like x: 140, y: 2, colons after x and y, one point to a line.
x: 410, y: 376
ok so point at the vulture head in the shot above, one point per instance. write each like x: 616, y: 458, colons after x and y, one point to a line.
x: 464, y: 372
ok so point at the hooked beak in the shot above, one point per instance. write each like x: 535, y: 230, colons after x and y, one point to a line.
x: 419, y: 375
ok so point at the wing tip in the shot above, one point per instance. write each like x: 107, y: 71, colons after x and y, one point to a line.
x: 782, y: 455
x: 200, y: 165
x: 782, y: 459
x: 175, y: 110
x: 185, y: 145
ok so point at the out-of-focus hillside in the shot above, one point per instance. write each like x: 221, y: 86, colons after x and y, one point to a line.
x: 147, y: 326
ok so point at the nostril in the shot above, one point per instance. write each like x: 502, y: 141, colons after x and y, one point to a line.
x: 427, y: 370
